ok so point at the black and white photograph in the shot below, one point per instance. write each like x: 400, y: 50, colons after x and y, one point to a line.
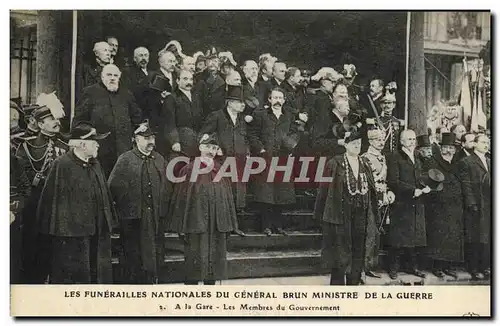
x: 232, y: 147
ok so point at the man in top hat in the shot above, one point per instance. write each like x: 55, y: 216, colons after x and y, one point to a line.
x: 424, y: 152
x: 345, y: 205
x: 475, y: 175
x: 444, y: 212
x: 377, y: 162
x: 38, y: 154
x: 407, y: 227
x: 202, y: 212
x: 181, y: 119
x: 392, y: 126
x: 273, y: 134
x: 230, y: 128
x: 92, y: 72
x: 139, y: 187
x: 76, y: 213
x: 111, y: 107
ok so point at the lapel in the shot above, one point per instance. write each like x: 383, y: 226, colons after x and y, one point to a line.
x: 187, y: 103
x: 405, y: 156
x: 229, y: 121
x: 479, y: 162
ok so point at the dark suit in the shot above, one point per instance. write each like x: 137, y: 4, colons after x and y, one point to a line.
x: 364, y: 101
x: 295, y: 98
x: 137, y: 82
x: 476, y: 187
x: 407, y: 228
x: 91, y: 74
x: 460, y: 154
x: 183, y: 119
x: 253, y: 91
x: 212, y: 89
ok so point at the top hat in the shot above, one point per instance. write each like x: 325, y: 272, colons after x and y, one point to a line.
x: 144, y: 129
x: 160, y: 83
x: 448, y: 138
x: 235, y: 93
x: 352, y: 136
x: 207, y: 139
x: 433, y: 179
x: 86, y: 131
x: 423, y: 141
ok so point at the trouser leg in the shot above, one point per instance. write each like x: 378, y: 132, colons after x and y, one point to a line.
x: 337, y: 277
x: 472, y: 257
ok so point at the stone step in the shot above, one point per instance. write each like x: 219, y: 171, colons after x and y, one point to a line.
x: 258, y: 242
x: 249, y: 265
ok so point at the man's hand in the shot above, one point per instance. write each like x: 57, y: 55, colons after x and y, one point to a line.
x: 426, y: 190
x: 262, y: 151
x: 391, y: 197
x: 303, y: 117
x: 176, y: 147
x: 182, y: 237
x: 341, y: 142
x: 418, y: 193
x: 164, y: 94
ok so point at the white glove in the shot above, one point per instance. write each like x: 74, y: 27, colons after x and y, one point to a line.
x: 426, y: 190
x: 176, y: 147
x: 303, y: 117
x: 248, y: 118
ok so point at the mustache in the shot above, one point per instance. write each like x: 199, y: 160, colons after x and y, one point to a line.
x: 189, y: 85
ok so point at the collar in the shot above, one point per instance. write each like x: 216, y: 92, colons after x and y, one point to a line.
x: 166, y: 73
x: 371, y: 150
x: 144, y: 70
x: 187, y: 93
x: 410, y: 154
x: 481, y: 155
x: 376, y: 97
x: 278, y: 82
x: 80, y: 159
x: 291, y: 86
x: 467, y: 152
x: 338, y: 116
x: 141, y: 154
x: 265, y: 78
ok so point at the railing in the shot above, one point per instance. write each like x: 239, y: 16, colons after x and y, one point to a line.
x: 23, y: 68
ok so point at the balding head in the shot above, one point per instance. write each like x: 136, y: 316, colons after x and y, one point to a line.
x: 167, y: 60
x: 233, y: 78
x: 188, y: 63
x: 251, y: 70
x: 185, y: 80
x: 141, y: 57
x: 102, y: 52
x: 110, y: 77
x: 408, y: 139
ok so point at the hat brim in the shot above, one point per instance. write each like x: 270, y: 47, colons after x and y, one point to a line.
x: 146, y: 134
x: 234, y: 98
x: 99, y: 136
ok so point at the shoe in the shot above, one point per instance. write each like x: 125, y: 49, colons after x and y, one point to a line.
x: 416, y: 272
x: 393, y: 275
x: 281, y: 231
x: 239, y: 232
x: 372, y: 274
x: 439, y: 273
x: 267, y: 231
x: 451, y: 273
x: 487, y: 273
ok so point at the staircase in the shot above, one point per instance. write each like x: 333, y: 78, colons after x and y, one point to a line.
x: 256, y: 255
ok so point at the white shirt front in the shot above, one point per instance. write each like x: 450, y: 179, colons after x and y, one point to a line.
x: 188, y: 94
x: 277, y: 113
x: 341, y: 118
x: 233, y: 116
x: 482, y: 157
x: 145, y: 71
x: 168, y: 75
x: 410, y: 154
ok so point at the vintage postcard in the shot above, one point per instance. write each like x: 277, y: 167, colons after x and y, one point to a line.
x: 250, y: 163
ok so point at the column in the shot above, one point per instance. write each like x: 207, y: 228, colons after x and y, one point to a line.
x: 47, y: 63
x: 417, y: 113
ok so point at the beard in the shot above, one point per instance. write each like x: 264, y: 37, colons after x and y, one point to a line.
x: 111, y: 87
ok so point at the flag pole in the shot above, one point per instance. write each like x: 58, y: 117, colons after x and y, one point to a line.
x: 407, y: 77
x: 73, y: 64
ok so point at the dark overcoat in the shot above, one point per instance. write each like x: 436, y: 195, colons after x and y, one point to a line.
x: 274, y: 136
x: 295, y: 97
x: 407, y: 225
x: 137, y: 82
x: 212, y: 89
x: 116, y: 112
x: 183, y: 119
x: 331, y: 208
x: 234, y: 143
x: 476, y: 187
x: 76, y: 205
x: 204, y: 211
x: 91, y: 74
x: 444, y: 215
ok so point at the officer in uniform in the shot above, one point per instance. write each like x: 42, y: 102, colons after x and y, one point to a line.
x: 391, y: 125
x: 37, y: 154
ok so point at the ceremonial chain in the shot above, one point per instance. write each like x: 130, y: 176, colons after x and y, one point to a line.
x: 47, y: 156
x: 362, y: 177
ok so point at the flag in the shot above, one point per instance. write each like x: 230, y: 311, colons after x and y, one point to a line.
x: 465, y: 98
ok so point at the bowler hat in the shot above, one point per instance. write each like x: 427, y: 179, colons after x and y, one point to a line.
x: 433, y: 179
x: 448, y: 138
x: 423, y: 141
x: 86, y: 131
x: 235, y: 93
x: 144, y: 129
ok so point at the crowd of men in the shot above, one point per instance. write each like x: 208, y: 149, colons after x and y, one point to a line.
x: 429, y: 193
